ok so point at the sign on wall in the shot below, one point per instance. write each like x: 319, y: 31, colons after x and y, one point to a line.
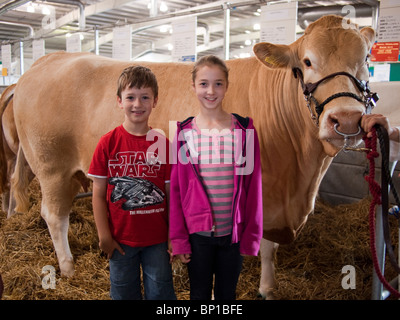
x: 278, y: 23
x: 38, y: 49
x: 6, y: 58
x: 184, y: 39
x: 74, y: 43
x: 385, y: 51
x: 389, y: 21
x: 122, y: 43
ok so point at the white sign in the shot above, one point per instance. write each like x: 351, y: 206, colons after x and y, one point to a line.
x: 122, y: 43
x: 184, y: 39
x: 389, y: 21
x: 6, y: 56
x: 381, y: 73
x: 38, y: 49
x: 278, y: 23
x: 74, y: 43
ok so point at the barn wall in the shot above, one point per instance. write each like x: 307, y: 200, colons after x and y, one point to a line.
x: 344, y: 181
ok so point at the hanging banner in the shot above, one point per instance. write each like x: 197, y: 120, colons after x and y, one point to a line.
x: 74, y: 43
x: 385, y: 51
x: 38, y: 49
x: 6, y: 58
x: 278, y: 23
x: 122, y: 43
x: 389, y: 21
x: 184, y: 39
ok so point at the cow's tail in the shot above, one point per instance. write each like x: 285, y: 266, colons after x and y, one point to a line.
x: 5, y: 99
x: 20, y: 182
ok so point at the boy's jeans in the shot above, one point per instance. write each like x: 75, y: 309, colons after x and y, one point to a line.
x: 157, y: 273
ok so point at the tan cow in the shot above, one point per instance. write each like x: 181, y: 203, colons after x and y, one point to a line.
x: 9, y: 144
x: 65, y: 102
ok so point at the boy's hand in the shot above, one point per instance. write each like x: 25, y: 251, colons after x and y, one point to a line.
x: 108, y: 246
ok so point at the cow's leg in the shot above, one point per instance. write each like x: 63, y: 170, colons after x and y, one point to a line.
x: 57, y: 197
x: 267, y: 280
x: 5, y: 199
x: 11, y: 197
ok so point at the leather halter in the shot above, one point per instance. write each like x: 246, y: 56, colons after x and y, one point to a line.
x: 368, y: 98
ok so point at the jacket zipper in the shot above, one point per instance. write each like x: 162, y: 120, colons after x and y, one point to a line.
x: 237, y: 191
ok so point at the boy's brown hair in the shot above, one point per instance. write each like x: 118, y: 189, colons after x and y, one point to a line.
x: 139, y: 77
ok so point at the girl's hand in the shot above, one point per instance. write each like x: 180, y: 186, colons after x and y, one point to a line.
x: 171, y: 255
x: 185, y: 258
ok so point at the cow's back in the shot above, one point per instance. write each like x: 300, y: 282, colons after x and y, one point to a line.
x: 66, y: 102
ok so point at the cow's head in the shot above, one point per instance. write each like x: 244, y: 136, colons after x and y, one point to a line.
x: 328, y: 46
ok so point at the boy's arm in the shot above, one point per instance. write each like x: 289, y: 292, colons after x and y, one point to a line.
x: 100, y: 212
x: 167, y: 208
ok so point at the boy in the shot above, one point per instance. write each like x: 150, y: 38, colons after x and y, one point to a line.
x: 130, y: 194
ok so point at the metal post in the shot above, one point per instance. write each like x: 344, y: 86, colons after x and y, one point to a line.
x: 377, y: 286
x: 21, y: 57
x: 227, y: 27
x: 96, y: 41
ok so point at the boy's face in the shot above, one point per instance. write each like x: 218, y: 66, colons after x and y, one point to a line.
x: 137, y: 104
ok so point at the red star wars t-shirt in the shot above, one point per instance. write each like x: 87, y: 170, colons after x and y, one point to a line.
x: 136, y: 171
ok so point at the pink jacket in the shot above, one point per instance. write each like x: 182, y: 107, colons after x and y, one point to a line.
x: 190, y: 209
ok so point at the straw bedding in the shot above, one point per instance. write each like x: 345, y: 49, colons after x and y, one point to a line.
x: 309, y: 268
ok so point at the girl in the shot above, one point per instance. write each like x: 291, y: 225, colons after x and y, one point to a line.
x: 216, y: 199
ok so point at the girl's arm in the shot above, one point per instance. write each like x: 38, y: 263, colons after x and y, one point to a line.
x: 100, y: 211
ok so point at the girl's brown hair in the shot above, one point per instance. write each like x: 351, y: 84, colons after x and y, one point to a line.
x: 210, y: 60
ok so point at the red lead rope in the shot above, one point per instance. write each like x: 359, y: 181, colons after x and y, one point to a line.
x: 375, y: 189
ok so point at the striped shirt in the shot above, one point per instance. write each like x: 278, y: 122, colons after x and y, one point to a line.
x: 215, y: 151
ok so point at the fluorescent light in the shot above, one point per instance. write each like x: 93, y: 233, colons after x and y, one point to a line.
x: 45, y: 11
x: 163, y: 7
x: 164, y: 28
x: 30, y: 8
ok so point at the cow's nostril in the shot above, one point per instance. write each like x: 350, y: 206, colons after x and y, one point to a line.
x: 333, y: 120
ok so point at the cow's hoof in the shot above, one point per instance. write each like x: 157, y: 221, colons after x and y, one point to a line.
x: 67, y: 269
x: 267, y: 295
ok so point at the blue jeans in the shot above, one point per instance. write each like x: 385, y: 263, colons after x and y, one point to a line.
x: 157, y: 273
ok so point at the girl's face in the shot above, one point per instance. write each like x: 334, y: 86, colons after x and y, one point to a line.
x: 210, y: 86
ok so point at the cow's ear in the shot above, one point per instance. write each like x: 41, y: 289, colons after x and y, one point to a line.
x: 369, y: 35
x: 273, y: 55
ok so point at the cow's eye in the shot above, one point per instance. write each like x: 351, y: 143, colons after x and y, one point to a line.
x: 307, y: 62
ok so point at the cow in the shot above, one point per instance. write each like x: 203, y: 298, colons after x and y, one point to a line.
x: 9, y: 144
x: 66, y: 101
